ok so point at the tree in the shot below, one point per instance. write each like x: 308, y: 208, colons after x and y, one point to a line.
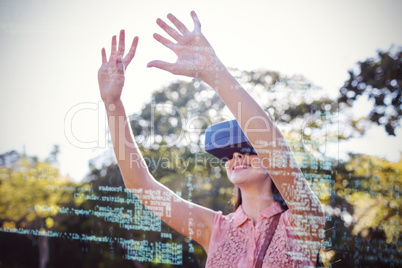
x: 29, y: 200
x: 363, y: 218
x: 380, y: 79
x: 372, y: 185
x: 169, y: 131
x: 305, y: 117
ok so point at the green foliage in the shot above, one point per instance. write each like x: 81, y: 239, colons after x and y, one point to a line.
x: 308, y: 120
x: 28, y: 199
x: 372, y: 186
x: 177, y: 115
x: 363, y: 219
x: 27, y: 195
x: 169, y: 131
x: 380, y: 79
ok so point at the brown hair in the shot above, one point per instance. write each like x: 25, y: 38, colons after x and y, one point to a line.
x: 277, y: 196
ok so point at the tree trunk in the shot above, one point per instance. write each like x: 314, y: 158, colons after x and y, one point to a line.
x: 43, y: 243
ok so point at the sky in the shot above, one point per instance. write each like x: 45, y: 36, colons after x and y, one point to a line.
x: 51, y: 54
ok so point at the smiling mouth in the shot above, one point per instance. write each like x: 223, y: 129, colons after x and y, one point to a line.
x: 241, y: 167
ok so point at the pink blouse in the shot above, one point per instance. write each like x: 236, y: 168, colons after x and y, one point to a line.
x: 236, y: 242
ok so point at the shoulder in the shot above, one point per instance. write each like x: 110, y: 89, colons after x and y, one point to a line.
x: 223, y: 219
x: 222, y: 224
x: 220, y: 227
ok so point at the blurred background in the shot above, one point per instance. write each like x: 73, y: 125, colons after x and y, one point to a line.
x: 329, y: 73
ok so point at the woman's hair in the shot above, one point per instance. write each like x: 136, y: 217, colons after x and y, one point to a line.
x: 277, y: 196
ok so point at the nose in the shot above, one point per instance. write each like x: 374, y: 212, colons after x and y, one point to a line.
x: 232, y: 160
x: 234, y: 156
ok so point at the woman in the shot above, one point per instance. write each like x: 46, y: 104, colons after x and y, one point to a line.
x: 239, y: 239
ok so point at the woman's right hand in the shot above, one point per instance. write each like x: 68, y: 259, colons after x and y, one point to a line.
x: 195, y: 55
x: 111, y: 73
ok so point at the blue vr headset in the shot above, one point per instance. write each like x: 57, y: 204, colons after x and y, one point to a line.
x: 224, y: 139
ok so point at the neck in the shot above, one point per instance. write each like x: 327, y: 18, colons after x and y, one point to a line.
x: 256, y: 199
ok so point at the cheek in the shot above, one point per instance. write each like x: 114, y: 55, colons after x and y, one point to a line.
x: 228, y: 172
x: 255, y: 162
x: 227, y: 166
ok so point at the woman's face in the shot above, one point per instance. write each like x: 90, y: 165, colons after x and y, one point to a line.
x: 244, y: 169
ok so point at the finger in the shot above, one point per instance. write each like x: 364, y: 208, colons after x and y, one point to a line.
x: 197, y: 23
x: 113, y: 50
x: 179, y: 25
x: 169, y: 30
x: 120, y: 52
x: 163, y: 65
x: 166, y: 42
x: 103, y: 52
x: 131, y: 53
x: 119, y: 65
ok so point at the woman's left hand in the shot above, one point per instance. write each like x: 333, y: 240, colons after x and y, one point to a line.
x: 195, y: 56
x: 111, y: 74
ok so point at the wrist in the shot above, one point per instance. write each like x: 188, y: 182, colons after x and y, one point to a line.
x: 111, y: 105
x: 108, y: 96
x: 214, y: 73
x: 209, y: 72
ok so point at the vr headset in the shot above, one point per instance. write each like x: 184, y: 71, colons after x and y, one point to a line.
x: 224, y: 139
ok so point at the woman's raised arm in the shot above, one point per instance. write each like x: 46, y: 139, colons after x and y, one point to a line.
x: 196, y: 58
x: 187, y: 218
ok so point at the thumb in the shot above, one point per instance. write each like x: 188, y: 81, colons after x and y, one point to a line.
x: 163, y: 65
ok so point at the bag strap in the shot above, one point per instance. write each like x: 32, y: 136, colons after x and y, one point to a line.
x: 268, y: 238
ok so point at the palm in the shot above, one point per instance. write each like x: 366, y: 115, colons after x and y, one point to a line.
x: 195, y: 56
x: 111, y: 74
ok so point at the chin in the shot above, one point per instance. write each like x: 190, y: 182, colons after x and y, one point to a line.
x: 240, y: 179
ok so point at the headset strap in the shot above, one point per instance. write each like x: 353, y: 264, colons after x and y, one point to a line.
x: 268, y: 238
